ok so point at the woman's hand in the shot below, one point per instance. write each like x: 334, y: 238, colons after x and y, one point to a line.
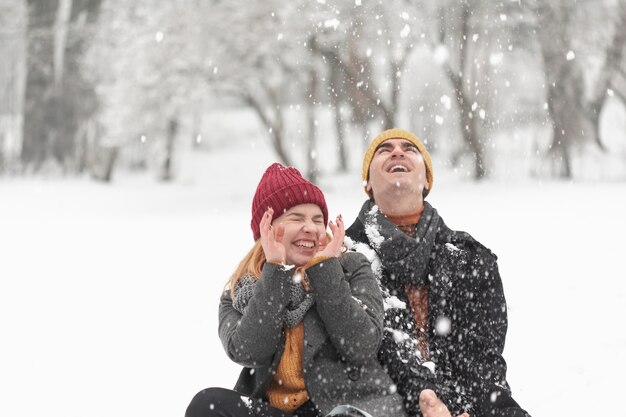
x: 334, y: 248
x: 272, y: 239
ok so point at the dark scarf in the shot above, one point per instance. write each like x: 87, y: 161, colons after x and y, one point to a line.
x: 405, y: 262
x: 299, y: 300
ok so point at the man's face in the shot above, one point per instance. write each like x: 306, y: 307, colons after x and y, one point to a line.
x: 396, y: 164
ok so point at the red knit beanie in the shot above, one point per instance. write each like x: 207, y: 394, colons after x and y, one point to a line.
x: 281, y: 188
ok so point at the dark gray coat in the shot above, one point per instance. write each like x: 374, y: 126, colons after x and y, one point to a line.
x: 342, y: 332
x: 467, y: 318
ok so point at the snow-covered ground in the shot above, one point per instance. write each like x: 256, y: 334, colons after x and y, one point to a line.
x: 109, y: 294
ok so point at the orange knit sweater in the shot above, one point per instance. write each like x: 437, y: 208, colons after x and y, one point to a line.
x: 287, y: 391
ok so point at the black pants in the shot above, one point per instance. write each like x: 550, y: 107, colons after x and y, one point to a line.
x: 220, y: 402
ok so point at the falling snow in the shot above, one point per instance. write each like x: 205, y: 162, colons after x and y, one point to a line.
x: 332, y: 23
x: 441, y: 54
x: 209, y: 238
x: 140, y: 246
x: 405, y: 31
x: 443, y: 326
x: 446, y: 101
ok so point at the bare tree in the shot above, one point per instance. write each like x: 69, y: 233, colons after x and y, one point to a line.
x: 58, y: 96
x: 13, y: 23
x: 268, y: 107
x: 618, y: 83
x: 610, y: 69
x: 148, y: 77
x: 372, y: 86
x: 172, y: 131
x: 365, y: 53
x: 312, y: 96
x: 564, y: 81
x: 257, y: 55
x: 336, y: 83
x: 464, y: 62
x: 61, y: 26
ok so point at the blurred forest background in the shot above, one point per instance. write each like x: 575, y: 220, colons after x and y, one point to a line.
x: 524, y: 88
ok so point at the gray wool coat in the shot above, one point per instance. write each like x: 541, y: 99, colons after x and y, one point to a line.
x: 342, y: 334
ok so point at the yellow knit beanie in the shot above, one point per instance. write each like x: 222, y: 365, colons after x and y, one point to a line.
x: 397, y: 134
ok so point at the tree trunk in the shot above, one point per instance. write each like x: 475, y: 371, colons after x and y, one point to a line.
x: 104, y: 163
x: 61, y: 25
x: 335, y: 87
x: 567, y: 117
x: 360, y: 88
x: 467, y: 115
x: 58, y: 97
x: 560, y: 154
x: 87, y: 145
x: 469, y: 132
x: 311, y: 155
x: 274, y: 126
x: 565, y: 81
x: 170, y: 139
x: 341, y: 139
x: 37, y: 127
x: 612, y: 61
x: 109, y: 165
x: 13, y: 19
x: 619, y: 88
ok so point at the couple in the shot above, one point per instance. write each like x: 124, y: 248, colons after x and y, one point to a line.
x: 396, y: 316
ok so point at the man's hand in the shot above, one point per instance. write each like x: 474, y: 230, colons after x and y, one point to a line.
x: 431, y: 406
x: 272, y: 240
x: 333, y: 248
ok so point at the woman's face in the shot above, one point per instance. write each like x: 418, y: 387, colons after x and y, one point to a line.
x: 304, y: 225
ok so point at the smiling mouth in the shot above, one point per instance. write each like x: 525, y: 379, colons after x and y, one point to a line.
x: 304, y: 244
x: 398, y: 168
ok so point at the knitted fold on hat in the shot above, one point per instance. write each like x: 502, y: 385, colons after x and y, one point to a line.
x: 286, y: 194
x: 397, y: 134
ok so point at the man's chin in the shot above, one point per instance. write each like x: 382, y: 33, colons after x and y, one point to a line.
x: 400, y: 187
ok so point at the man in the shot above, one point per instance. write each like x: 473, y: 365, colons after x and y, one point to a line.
x: 445, y: 318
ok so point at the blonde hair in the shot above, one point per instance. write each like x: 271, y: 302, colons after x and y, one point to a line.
x: 251, y: 264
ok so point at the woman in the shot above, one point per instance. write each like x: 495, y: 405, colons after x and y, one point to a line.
x: 303, y: 318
